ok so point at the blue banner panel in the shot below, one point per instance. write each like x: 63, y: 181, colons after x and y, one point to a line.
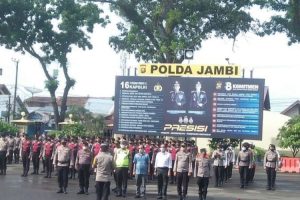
x: 189, y: 107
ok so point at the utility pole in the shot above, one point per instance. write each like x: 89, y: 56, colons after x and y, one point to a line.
x: 16, y: 87
x: 8, y: 109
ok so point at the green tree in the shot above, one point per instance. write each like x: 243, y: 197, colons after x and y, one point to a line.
x: 93, y: 124
x: 289, y: 135
x: 286, y: 20
x: 7, y: 128
x: 74, y: 130
x: 48, y: 30
x: 159, y: 31
x: 214, y: 142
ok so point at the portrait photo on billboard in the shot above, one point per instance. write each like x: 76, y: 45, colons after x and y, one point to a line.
x: 175, y: 100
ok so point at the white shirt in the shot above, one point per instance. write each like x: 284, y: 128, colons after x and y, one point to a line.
x: 163, y: 160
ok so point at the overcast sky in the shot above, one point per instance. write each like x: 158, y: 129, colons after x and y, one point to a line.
x: 95, y: 70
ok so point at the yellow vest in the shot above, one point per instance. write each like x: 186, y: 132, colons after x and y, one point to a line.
x: 122, y: 158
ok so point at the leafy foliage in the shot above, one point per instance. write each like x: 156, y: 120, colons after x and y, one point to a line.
x: 214, y: 142
x: 7, y: 128
x: 289, y: 135
x: 73, y: 130
x: 286, y: 20
x: 159, y: 31
x: 259, y: 153
x: 93, y: 125
x: 48, y: 30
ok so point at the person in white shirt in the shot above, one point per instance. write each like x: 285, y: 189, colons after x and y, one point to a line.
x: 229, y: 160
x: 163, y: 166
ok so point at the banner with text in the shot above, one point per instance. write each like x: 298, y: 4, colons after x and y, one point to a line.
x: 191, y: 70
x: 189, y: 107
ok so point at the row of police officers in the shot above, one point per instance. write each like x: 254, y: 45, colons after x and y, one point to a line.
x: 118, y: 159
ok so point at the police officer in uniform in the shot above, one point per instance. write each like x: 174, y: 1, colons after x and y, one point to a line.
x: 198, y: 97
x: 230, y: 159
x: 3, y: 154
x: 36, y: 154
x: 178, y: 98
x: 182, y: 170
x: 271, y: 166
x: 103, y: 163
x: 218, y: 157
x: 11, y: 144
x: 203, y: 171
x: 244, y: 160
x: 73, y: 145
x: 47, y: 156
x: 252, y: 169
x: 62, y: 161
x: 83, y: 165
x: 122, y: 162
x: 17, y: 148
x: 25, y: 154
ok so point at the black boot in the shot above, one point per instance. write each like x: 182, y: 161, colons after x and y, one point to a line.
x: 200, y: 196
x: 60, y: 190
x: 65, y: 190
x: 204, y: 195
x: 86, y: 190
x: 80, y: 191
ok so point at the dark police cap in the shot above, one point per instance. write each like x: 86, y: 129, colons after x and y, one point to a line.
x: 104, y: 145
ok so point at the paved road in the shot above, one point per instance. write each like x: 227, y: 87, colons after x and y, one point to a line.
x: 33, y: 187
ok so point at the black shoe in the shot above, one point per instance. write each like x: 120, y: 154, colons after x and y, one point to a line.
x: 80, y: 192
x: 43, y: 171
x: 242, y: 186
x: 268, y: 188
x: 137, y: 196
x: 32, y: 173
x: 59, y: 191
x: 159, y: 197
x: 46, y: 176
x: 124, y: 195
x: 164, y: 197
x: 118, y: 195
x: 273, y: 188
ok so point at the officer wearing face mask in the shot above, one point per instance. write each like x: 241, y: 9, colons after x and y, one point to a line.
x: 218, y: 157
x: 244, y: 161
x: 63, y: 160
x: 141, y: 168
x: 182, y: 170
x: 83, y: 165
x: 122, y: 161
x: 163, y: 166
x: 271, y: 166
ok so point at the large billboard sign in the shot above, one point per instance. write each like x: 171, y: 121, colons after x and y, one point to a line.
x: 189, y: 107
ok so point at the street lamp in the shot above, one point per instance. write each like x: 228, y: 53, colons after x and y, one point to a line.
x: 188, y: 54
x: 16, y: 85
